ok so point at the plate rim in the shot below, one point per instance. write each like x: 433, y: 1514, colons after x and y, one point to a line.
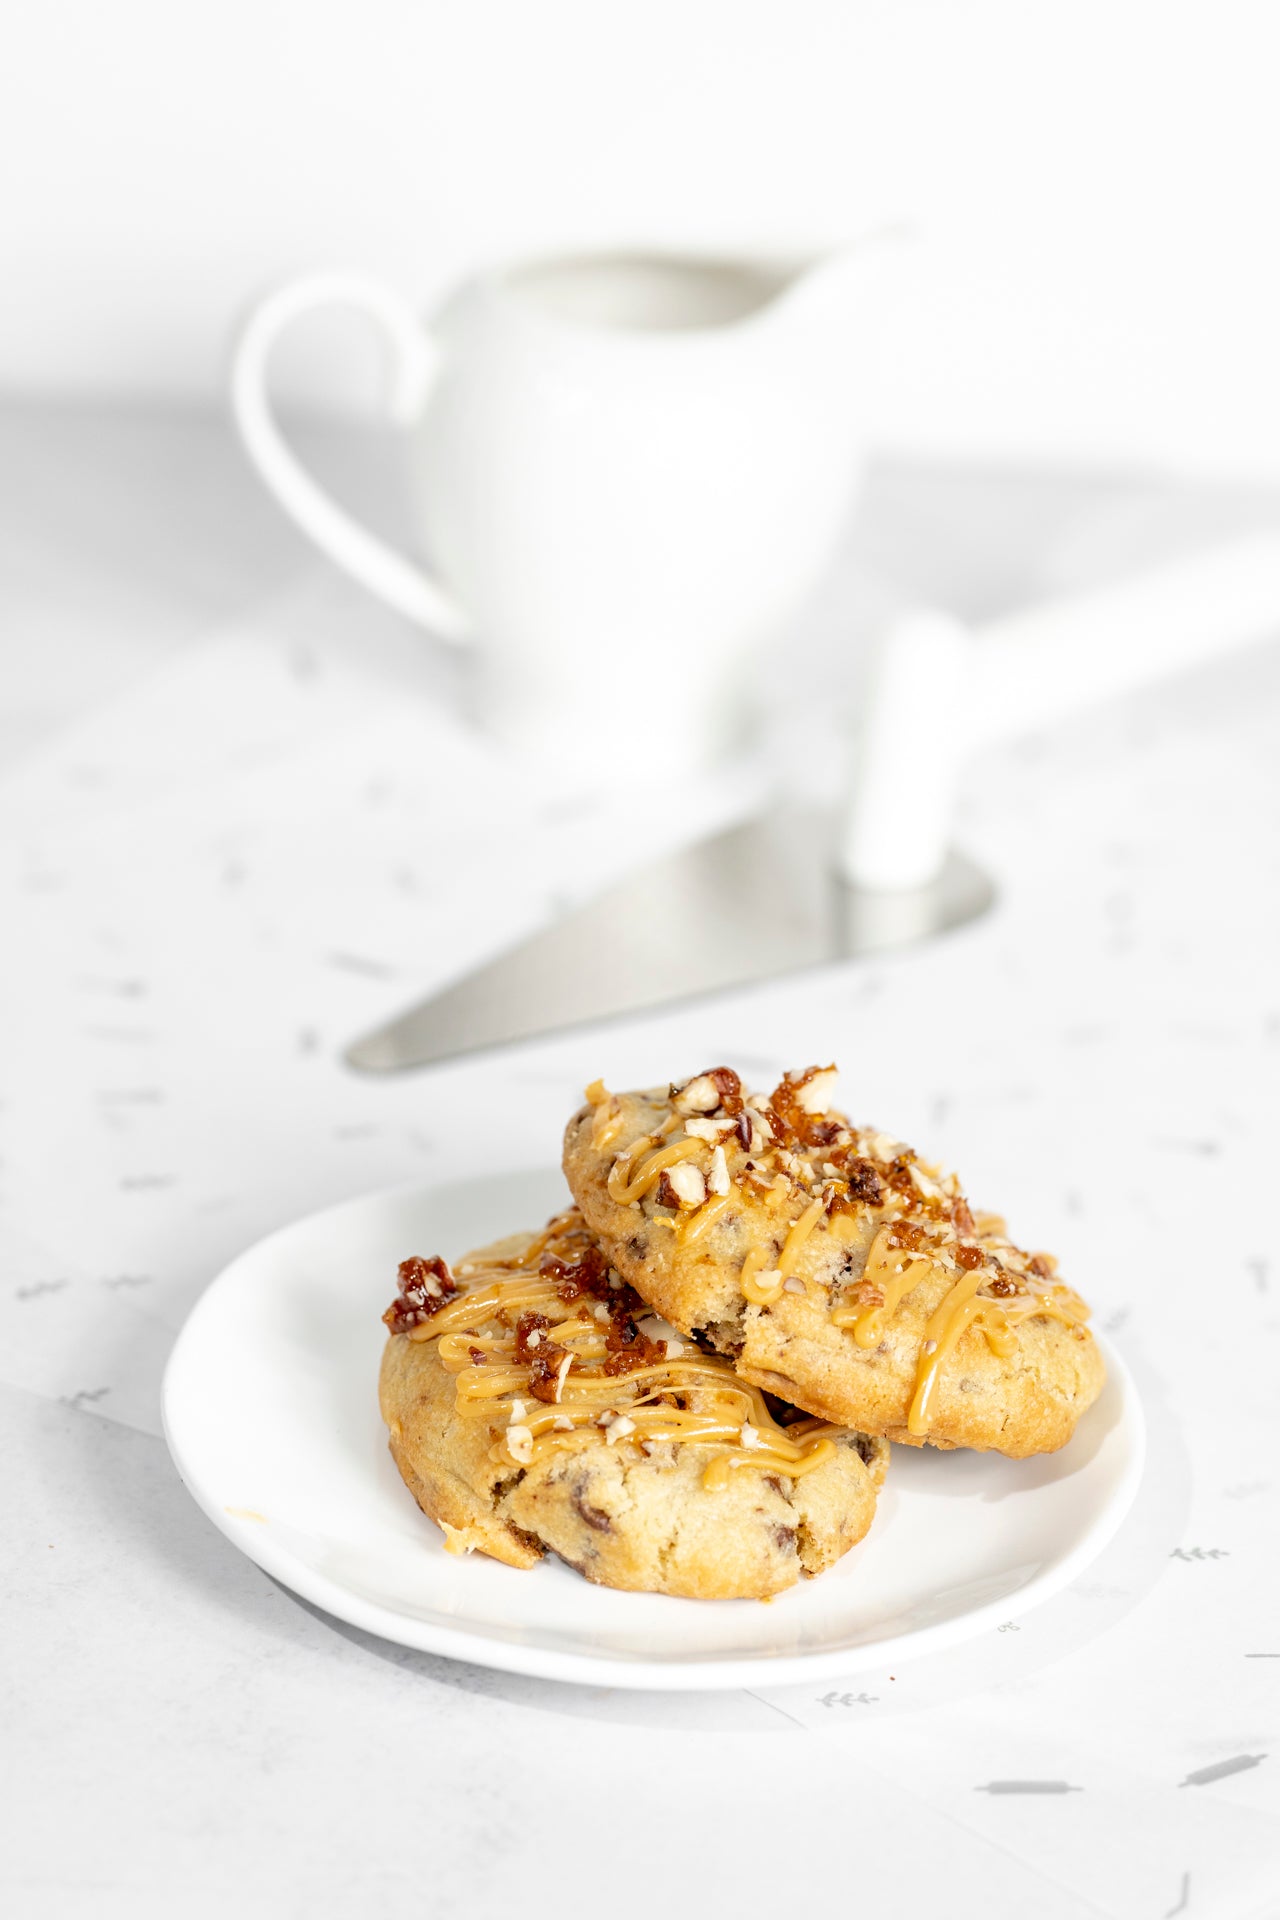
x: 644, y: 1673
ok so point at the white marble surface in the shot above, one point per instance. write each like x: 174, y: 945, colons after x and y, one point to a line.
x: 240, y: 820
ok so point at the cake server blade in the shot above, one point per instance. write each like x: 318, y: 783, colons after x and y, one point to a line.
x: 754, y: 902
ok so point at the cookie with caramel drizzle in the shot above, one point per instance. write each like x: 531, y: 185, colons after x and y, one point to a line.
x: 533, y: 1403
x: 832, y: 1264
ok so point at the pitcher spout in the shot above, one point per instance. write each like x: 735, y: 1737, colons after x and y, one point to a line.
x: 833, y: 282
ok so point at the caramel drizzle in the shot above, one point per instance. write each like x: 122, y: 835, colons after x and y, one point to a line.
x: 607, y: 1118
x: 799, y: 1233
x: 895, y: 1272
x: 628, y: 1182
x: 761, y: 1288
x: 728, y: 1415
x: 626, y: 1186
x: 703, y: 1218
x: 997, y: 1319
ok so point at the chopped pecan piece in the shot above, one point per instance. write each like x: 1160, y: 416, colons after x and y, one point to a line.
x: 424, y: 1287
x: 961, y: 1218
x: 842, y: 1197
x: 588, y: 1275
x: 664, y: 1194
x: 798, y: 1108
x: 780, y: 1131
x: 688, y: 1184
x: 969, y: 1257
x: 530, y: 1329
x: 681, y: 1187
x: 628, y: 1348
x: 865, y: 1183
x: 542, y: 1356
x: 544, y: 1372
x: 785, y: 1112
x: 899, y: 1176
x: 717, y: 1090
x: 729, y: 1087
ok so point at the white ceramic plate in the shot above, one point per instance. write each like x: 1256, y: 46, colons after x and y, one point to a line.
x: 270, y: 1410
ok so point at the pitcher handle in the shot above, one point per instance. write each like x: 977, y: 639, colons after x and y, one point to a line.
x: 377, y: 566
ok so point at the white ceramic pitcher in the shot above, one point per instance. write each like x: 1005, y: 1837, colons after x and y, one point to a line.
x: 629, y: 471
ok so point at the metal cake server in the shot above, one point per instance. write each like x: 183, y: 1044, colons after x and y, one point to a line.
x: 751, y: 903
x: 767, y: 898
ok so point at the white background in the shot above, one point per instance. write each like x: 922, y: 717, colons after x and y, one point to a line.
x: 1093, y: 185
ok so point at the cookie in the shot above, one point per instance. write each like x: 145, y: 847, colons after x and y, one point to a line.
x: 530, y: 1410
x: 835, y: 1268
